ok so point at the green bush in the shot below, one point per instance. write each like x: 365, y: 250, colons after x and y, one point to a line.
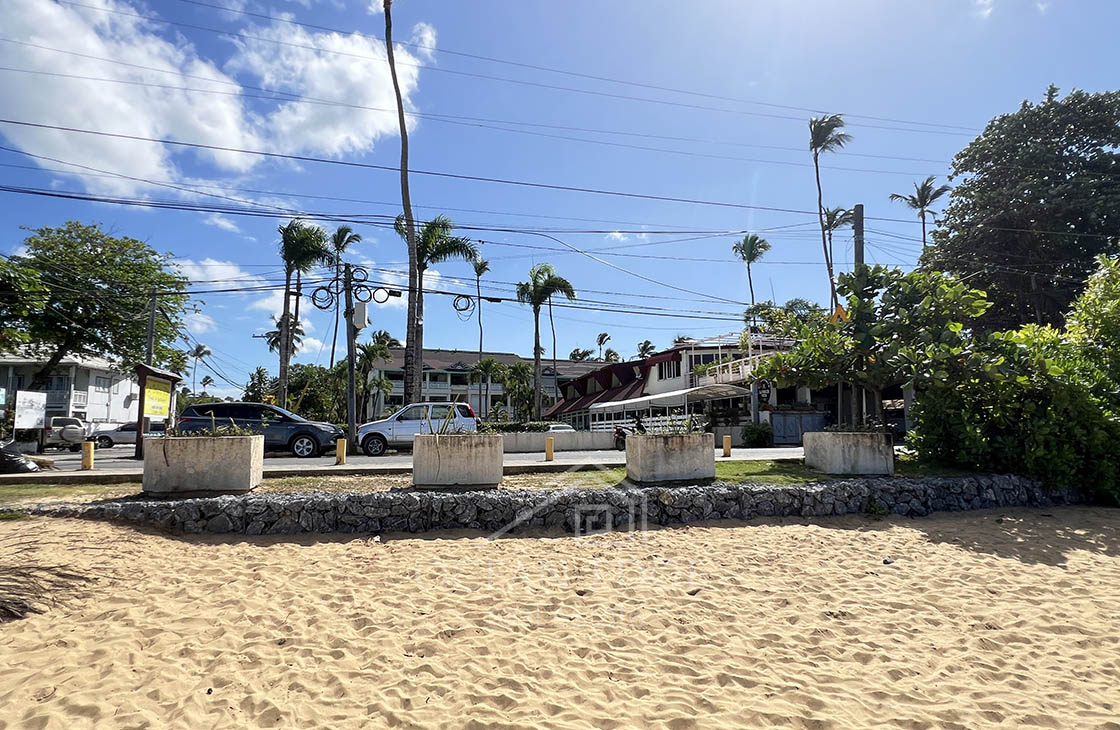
x: 757, y: 436
x: 515, y: 426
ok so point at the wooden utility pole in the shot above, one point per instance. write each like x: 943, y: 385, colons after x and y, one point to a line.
x: 351, y: 335
x: 141, y: 422
x: 857, y: 239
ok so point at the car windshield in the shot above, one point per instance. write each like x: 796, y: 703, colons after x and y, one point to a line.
x: 289, y: 414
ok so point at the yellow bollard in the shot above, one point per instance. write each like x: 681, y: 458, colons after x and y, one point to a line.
x: 549, y: 445
x: 87, y: 455
x: 340, y: 452
x: 726, y: 447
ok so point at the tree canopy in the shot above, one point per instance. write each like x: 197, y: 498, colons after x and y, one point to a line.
x: 97, y: 290
x: 1037, y: 199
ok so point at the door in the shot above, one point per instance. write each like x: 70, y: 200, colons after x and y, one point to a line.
x: 278, y: 428
x: 408, y: 423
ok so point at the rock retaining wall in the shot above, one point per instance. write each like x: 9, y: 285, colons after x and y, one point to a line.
x: 575, y: 510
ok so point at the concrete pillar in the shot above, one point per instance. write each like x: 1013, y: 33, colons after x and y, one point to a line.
x: 907, y: 404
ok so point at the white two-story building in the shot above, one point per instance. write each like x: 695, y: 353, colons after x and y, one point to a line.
x: 88, y: 388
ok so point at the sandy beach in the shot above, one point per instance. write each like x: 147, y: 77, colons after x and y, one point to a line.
x: 1002, y: 618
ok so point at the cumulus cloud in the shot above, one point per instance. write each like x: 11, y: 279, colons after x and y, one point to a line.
x: 616, y: 236
x: 199, y: 323
x: 331, y: 66
x: 984, y: 7
x: 424, y: 40
x: 220, y: 221
x: 308, y: 348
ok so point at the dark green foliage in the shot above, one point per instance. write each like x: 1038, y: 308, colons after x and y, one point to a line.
x: 514, y: 426
x: 1037, y: 198
x: 758, y: 436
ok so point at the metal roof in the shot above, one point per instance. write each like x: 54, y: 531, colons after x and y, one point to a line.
x: 675, y: 397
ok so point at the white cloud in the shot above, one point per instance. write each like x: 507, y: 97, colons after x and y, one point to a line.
x: 984, y: 7
x: 1042, y: 7
x: 308, y: 348
x: 220, y: 221
x: 200, y: 323
x: 424, y: 36
x: 616, y: 236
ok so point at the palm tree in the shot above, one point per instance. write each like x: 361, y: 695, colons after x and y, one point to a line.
x: 382, y: 337
x: 481, y: 266
x: 578, y: 355
x: 611, y: 356
x: 924, y: 196
x: 207, y: 381
x: 434, y: 245
x: 274, y: 341
x: 602, y: 339
x: 258, y: 386
x: 198, y: 352
x: 343, y: 238
x: 542, y: 285
x: 825, y: 135
x: 367, y: 355
x: 834, y: 220
x: 519, y: 393
x: 487, y: 371
x: 301, y: 248
x: 645, y: 349
x: 414, y: 354
x: 752, y: 248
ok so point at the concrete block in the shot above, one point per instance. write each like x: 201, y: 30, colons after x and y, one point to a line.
x: 180, y: 465
x: 840, y: 452
x: 653, y: 458
x: 527, y: 442
x: 457, y: 460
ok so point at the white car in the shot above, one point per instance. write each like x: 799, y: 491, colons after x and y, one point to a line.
x: 398, y: 430
x: 560, y: 427
x: 125, y: 434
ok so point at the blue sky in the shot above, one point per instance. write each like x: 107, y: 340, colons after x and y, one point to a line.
x: 886, y: 64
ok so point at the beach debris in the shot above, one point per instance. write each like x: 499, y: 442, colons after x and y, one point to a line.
x: 28, y: 588
x: 209, y: 690
x: 694, y: 591
x: 887, y: 560
x: 582, y: 591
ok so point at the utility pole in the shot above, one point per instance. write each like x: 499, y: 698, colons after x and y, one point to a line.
x: 351, y: 335
x: 141, y: 420
x: 151, y: 330
x: 857, y: 238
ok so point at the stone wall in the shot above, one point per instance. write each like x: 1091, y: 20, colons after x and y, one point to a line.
x: 503, y: 511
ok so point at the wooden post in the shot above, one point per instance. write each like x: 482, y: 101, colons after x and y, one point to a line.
x: 340, y: 452
x: 727, y: 447
x: 549, y: 445
x: 87, y: 455
x: 139, y: 454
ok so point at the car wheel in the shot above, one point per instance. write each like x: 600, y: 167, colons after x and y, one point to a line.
x: 305, y: 446
x: 75, y: 448
x: 104, y: 442
x: 374, y: 445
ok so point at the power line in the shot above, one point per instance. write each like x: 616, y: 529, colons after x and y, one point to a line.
x: 487, y: 77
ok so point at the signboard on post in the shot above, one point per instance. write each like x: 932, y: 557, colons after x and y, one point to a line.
x: 31, y: 409
x: 764, y: 391
x: 157, y: 397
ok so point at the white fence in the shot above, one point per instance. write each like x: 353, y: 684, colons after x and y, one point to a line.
x: 731, y: 373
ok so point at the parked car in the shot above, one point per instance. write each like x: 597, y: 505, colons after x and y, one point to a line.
x: 399, y: 429
x: 125, y: 434
x: 65, y: 432
x: 282, y: 429
x: 559, y: 427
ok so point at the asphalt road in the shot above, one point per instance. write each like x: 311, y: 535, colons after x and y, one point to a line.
x: 119, y: 459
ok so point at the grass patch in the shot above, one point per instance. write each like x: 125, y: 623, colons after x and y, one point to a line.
x: 907, y: 465
x: 20, y: 492
x: 9, y: 516
x: 778, y: 471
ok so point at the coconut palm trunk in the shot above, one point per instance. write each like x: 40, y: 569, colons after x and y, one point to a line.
x: 824, y: 233
x: 484, y: 408
x: 284, y: 347
x: 537, y: 362
x: 414, y: 344
x: 555, y: 376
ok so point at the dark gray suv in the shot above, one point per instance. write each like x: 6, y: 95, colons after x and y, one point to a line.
x: 282, y: 429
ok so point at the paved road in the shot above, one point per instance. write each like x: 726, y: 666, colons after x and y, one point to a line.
x: 118, y: 460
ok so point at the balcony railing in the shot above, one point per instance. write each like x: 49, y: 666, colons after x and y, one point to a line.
x: 736, y: 371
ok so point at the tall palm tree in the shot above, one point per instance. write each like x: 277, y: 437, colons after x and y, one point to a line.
x: 487, y: 371
x: 517, y: 381
x: 826, y: 135
x: 481, y: 266
x: 601, y: 339
x: 414, y: 353
x: 645, y: 349
x: 343, y: 238
x: 434, y: 245
x: 382, y: 337
x: 924, y: 196
x: 301, y: 248
x: 834, y: 220
x: 752, y: 248
x: 580, y: 355
x: 611, y: 356
x: 207, y: 381
x: 275, y: 341
x: 542, y: 285
x: 198, y: 352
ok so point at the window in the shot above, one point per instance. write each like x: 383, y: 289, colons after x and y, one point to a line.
x: 413, y: 413
x: 439, y: 414
x: 464, y: 411
x: 128, y: 428
x: 101, y: 384
x: 217, y: 410
x: 669, y: 370
x: 116, y: 386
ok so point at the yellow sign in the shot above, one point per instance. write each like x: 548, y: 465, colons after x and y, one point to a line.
x: 157, y: 397
x: 839, y: 315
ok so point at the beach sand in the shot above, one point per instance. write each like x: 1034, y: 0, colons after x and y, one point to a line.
x: 1001, y: 618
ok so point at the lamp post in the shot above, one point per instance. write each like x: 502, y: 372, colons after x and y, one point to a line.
x: 351, y: 285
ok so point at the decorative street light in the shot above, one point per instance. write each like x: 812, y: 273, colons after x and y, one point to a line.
x: 351, y: 286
